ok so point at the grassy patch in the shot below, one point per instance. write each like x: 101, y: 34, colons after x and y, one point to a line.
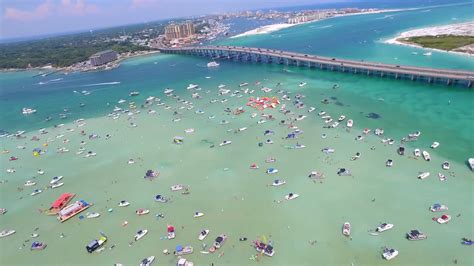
x: 442, y: 42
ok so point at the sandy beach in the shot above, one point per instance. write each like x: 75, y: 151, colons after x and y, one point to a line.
x: 265, y: 29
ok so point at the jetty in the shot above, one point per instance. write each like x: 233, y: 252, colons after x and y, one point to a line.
x: 271, y: 56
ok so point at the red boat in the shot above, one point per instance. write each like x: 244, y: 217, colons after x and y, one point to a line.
x: 72, y: 210
x: 60, y: 203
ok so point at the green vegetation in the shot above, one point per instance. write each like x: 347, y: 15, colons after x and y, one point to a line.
x: 442, y: 42
x: 70, y: 49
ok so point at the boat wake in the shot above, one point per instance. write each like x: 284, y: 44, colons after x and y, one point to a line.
x: 101, y: 84
x: 49, y: 81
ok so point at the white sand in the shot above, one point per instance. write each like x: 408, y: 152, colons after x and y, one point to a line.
x: 265, y: 29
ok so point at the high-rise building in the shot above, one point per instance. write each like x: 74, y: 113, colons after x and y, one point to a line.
x: 103, y: 57
x: 178, y: 31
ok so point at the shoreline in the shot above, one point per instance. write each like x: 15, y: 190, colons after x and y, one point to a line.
x: 458, y: 29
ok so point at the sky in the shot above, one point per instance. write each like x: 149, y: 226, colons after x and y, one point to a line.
x: 24, y: 18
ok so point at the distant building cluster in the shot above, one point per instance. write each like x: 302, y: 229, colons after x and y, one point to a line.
x: 179, y: 31
x: 307, y: 18
x: 103, y: 57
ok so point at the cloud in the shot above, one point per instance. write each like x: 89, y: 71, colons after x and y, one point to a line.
x: 49, y: 8
x: 42, y: 11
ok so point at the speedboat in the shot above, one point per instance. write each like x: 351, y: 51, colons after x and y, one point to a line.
x: 316, y: 175
x: 198, y: 214
x: 36, y: 245
x: 445, y: 165
x: 378, y: 131
x: 321, y: 113
x: 134, y: 93
x: 141, y: 233
x: 437, y: 207
x: 466, y: 241
x: 272, y: 171
x: 278, y: 182
x: 160, y: 198
x: 423, y: 175
x: 328, y: 150
x: 341, y: 118
x: 218, y: 243
x: 36, y: 192
x: 389, y: 253
x: 401, y: 150
x: 28, y: 111
x: 269, y: 251
x: 29, y: 183
x: 445, y: 218
x: 204, y: 233
x: 356, y: 156
x: 471, y: 163
x: 427, y: 54
x: 253, y: 166
x: 56, y: 185
x: 177, y: 187
x: 180, y: 250
x: 435, y: 145
x: 184, y: 262
x: 350, y: 123
x: 416, y: 235
x: 384, y: 227
x: 212, y: 64
x: 426, y: 156
x: 171, y: 233
x: 302, y: 84
x: 123, y: 203
x: 122, y: 101
x: 91, y: 215
x: 225, y: 142
x: 192, y: 86
x: 346, y: 229
x: 7, y: 232
x: 417, y: 152
x: 389, y: 163
x: 56, y: 179
x: 3, y: 211
x: 243, y: 84
x: 168, y: 91
x: 311, y: 109
x: 343, y: 172
x: 147, y: 261
x: 291, y: 196
x: 142, y: 211
x: 442, y: 177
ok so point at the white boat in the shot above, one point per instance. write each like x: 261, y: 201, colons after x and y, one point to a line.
x: 121, y: 101
x: 171, y: 235
x: 221, y: 86
x: 442, y: 177
x: 243, y: 84
x: 346, y: 229
x: 341, y: 118
x: 140, y: 212
x: 28, y: 111
x: 328, y: 150
x: 302, y: 84
x: 350, y: 123
x: 471, y: 163
x: 212, y: 64
x: 242, y: 129
x: 56, y: 179
x: 389, y: 253
x: 147, y: 261
x: 445, y: 218
x: 134, y: 93
x: 176, y: 187
x: 435, y: 145
x: 384, y: 227
x: 423, y: 175
x: 91, y: 215
x: 278, y: 182
x: 29, y: 183
x: 427, y: 54
x: 225, y: 142
x: 7, y: 232
x: 204, y: 233
x: 272, y: 171
x: 426, y: 156
x: 445, y: 165
x: 123, y: 203
x: 189, y: 130
x: 140, y: 234
x: 389, y: 163
x: 3, y: 211
x: 291, y: 196
x: 192, y: 86
x: 311, y: 109
x: 56, y: 185
x: 437, y: 207
x: 168, y: 91
x: 417, y: 152
x: 198, y: 214
x: 36, y: 192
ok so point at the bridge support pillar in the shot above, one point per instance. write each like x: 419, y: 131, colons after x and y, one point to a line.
x: 469, y: 84
x: 413, y: 77
x: 396, y: 76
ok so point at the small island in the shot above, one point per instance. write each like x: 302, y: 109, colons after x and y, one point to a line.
x: 452, y: 38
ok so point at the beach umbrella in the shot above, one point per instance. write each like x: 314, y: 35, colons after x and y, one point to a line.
x: 179, y: 248
x: 170, y: 228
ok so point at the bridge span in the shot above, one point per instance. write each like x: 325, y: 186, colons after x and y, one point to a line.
x: 271, y: 56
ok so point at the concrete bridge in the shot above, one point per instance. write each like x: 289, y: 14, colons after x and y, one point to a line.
x: 270, y: 56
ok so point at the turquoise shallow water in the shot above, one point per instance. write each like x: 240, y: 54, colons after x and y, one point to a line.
x: 238, y: 201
